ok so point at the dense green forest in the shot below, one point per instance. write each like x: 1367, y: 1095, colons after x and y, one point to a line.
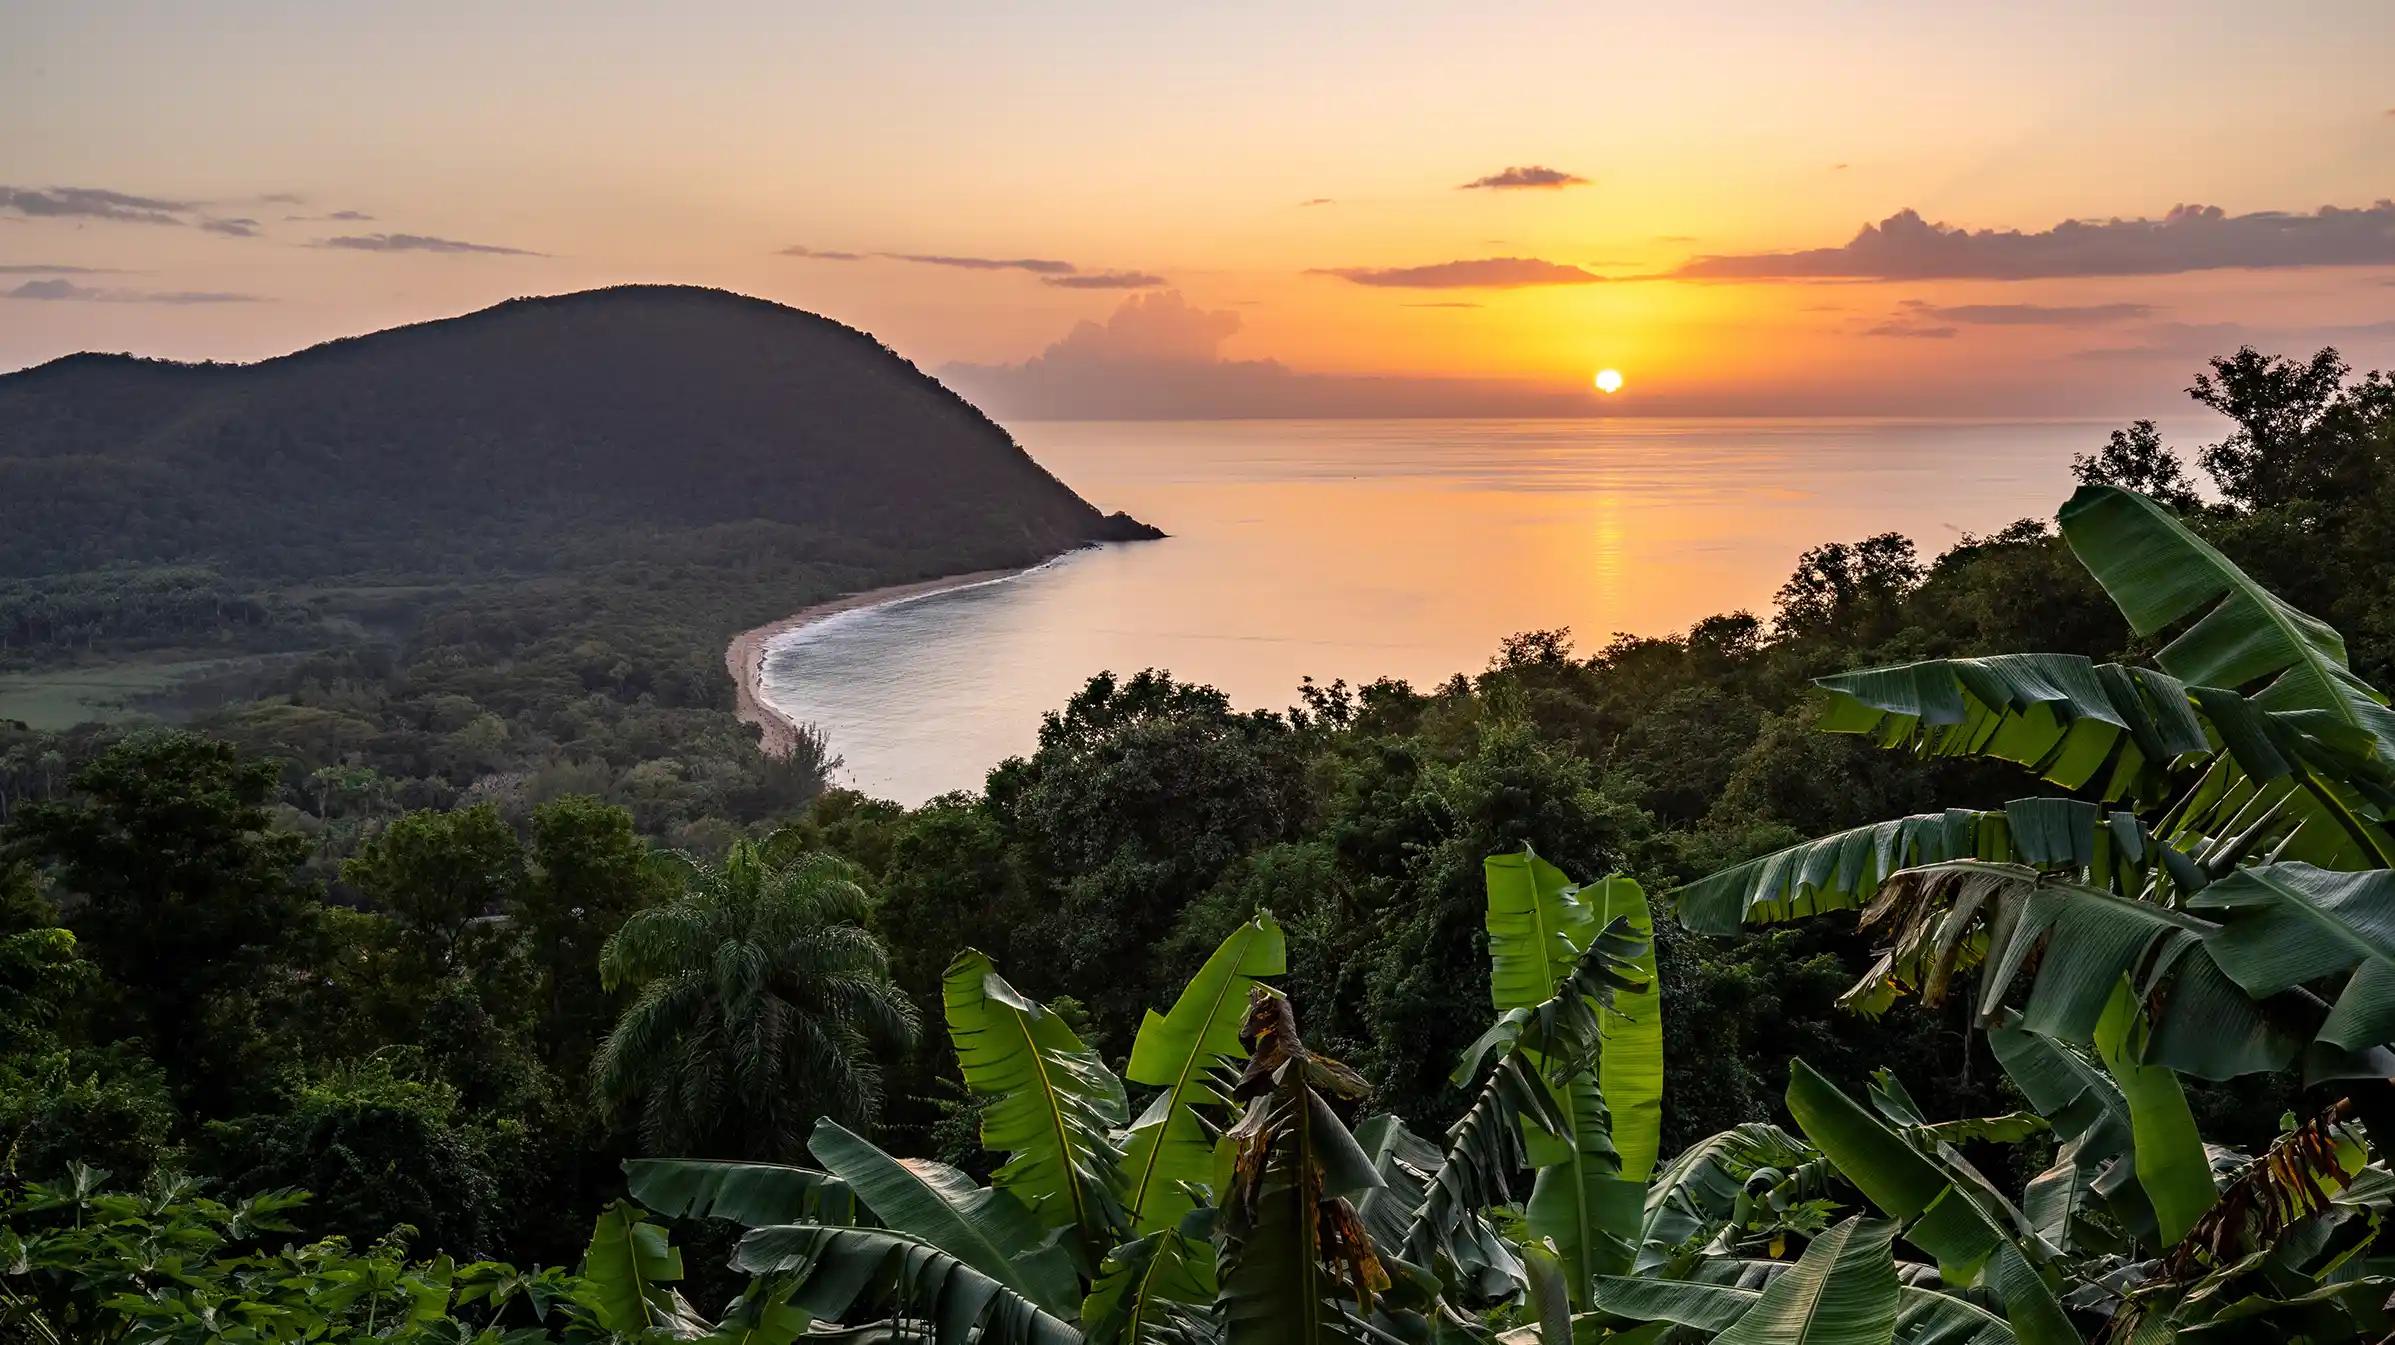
x: 250, y: 955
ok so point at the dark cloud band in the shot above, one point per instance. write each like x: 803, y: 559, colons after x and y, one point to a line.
x: 1905, y: 246
x: 1484, y: 273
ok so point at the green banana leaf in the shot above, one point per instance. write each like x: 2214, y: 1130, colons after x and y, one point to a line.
x: 1630, y: 1071
x: 2323, y: 788
x: 983, y: 1227
x: 1050, y: 1102
x: 2159, y: 573
x: 753, y: 1195
x: 2290, y: 924
x: 1972, y: 1243
x: 1842, y: 1291
x: 2171, y: 1162
x: 1537, y: 923
x: 628, y: 1274
x: 1692, y: 1200
x: 1923, y: 1316
x: 1181, y: 1052
x: 871, y: 1275
x: 1154, y: 1290
x: 2074, y: 722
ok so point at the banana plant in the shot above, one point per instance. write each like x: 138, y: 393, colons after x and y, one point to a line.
x: 1244, y: 1203
x: 2210, y: 905
x: 2253, y: 760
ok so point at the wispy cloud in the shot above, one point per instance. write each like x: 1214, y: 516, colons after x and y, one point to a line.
x: 101, y: 203
x: 1040, y: 266
x: 1050, y: 270
x: 1447, y: 304
x: 2030, y: 315
x: 1484, y: 273
x: 1903, y: 327
x: 67, y: 291
x: 336, y: 217
x: 42, y: 269
x: 419, y: 243
x: 92, y: 203
x: 1527, y: 177
x: 1105, y: 280
x: 1905, y: 246
x: 1318, y: 200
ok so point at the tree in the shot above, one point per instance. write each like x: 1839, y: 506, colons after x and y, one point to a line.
x: 1851, y: 590
x: 1143, y: 791
x: 2136, y: 459
x: 590, y: 872
x: 763, y: 1002
x: 2302, y: 434
x: 177, y: 887
x: 436, y: 873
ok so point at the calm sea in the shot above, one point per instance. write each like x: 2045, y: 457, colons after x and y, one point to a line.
x: 1358, y: 549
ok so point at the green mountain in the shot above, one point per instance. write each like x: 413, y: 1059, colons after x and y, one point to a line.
x: 535, y: 433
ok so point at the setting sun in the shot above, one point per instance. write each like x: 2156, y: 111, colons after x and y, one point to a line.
x: 1609, y: 381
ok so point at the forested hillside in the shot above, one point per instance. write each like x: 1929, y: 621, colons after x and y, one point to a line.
x: 493, y: 557
x: 539, y: 433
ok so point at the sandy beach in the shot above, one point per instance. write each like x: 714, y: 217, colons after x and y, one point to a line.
x: 744, y: 657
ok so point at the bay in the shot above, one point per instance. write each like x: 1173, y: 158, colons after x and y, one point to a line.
x: 1360, y: 549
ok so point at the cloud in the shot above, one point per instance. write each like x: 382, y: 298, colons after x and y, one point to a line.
x: 36, y: 269
x: 1062, y: 274
x: 1105, y: 280
x: 2192, y: 341
x: 1159, y: 356
x: 69, y: 292
x: 1440, y: 305
x: 418, y: 243
x: 1900, y: 327
x: 2031, y: 315
x: 1904, y: 246
x: 92, y: 203
x: 1530, y: 176
x: 336, y: 217
x: 1317, y: 200
x: 1486, y: 273
x: 1042, y: 266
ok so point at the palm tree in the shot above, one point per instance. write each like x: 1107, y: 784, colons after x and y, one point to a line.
x: 763, y: 1003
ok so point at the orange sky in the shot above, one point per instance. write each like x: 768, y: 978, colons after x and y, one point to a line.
x: 245, y: 180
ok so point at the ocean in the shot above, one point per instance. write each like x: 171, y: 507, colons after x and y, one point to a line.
x: 1360, y: 549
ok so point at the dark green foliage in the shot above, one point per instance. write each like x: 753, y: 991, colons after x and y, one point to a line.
x: 492, y: 441
x: 1141, y: 793
x: 388, y: 1147
x: 61, y: 1104
x: 437, y: 874
x: 177, y: 885
x: 760, y: 1002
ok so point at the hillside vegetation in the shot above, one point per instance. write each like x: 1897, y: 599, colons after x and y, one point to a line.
x: 496, y: 555
x: 1988, y: 996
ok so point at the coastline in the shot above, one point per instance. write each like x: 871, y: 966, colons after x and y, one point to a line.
x: 744, y: 657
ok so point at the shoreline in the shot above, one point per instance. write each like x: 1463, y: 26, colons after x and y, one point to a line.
x: 744, y: 657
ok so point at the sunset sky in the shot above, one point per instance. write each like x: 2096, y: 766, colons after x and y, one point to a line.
x: 1255, y: 209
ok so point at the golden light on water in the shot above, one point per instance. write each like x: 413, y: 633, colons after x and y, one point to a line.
x: 1609, y: 381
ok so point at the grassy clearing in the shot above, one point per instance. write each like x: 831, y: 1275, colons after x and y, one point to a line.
x: 60, y: 698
